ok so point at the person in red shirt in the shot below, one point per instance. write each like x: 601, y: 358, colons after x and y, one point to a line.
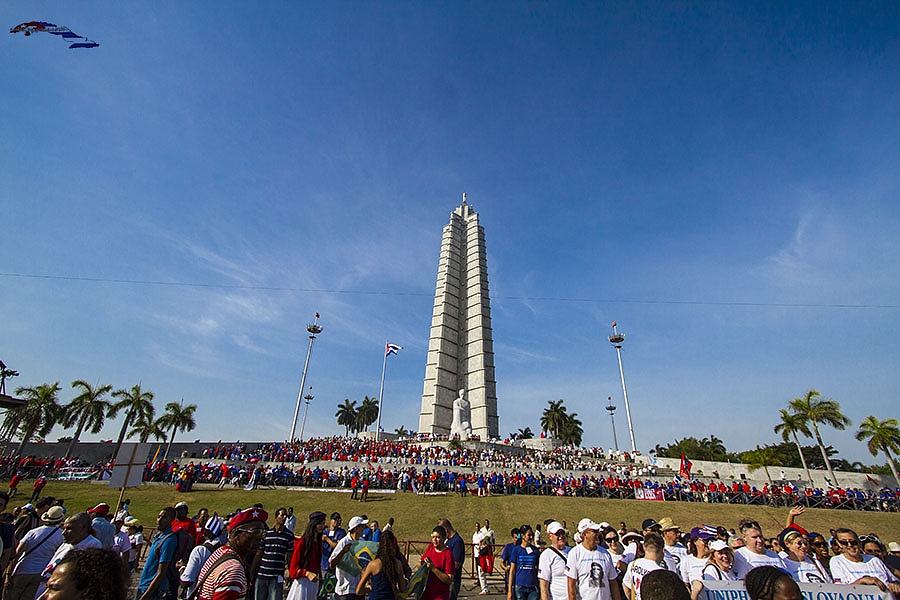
x: 183, y: 522
x: 306, y: 560
x: 439, y: 560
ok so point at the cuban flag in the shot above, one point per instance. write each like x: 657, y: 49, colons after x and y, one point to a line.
x: 684, y: 469
x: 392, y: 349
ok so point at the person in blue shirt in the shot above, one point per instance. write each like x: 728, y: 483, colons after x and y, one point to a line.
x: 523, y: 568
x: 456, y: 545
x: 154, y: 582
x: 506, y: 555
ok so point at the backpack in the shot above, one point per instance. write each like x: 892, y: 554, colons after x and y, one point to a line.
x: 183, y: 546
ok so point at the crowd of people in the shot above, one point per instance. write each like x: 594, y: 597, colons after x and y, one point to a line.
x: 50, y: 554
x: 436, y: 479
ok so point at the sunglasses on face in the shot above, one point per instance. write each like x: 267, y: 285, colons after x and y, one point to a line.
x: 849, y: 543
x: 613, y: 538
x: 818, y: 544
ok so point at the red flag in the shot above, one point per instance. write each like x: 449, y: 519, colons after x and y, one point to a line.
x: 872, y: 480
x: 684, y: 470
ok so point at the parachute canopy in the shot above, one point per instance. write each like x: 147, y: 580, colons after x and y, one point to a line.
x: 67, y: 35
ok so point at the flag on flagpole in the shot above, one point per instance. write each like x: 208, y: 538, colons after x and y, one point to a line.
x: 392, y: 349
x: 685, y: 468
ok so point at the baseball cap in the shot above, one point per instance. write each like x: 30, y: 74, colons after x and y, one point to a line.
x: 702, y: 533
x: 100, y: 509
x: 356, y: 522
x: 555, y: 527
x: 586, y: 523
x: 717, y: 545
x: 181, y: 505
x: 649, y: 524
x: 893, y: 547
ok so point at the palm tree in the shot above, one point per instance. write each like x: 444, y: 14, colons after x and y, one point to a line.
x: 815, y: 410
x: 571, y: 431
x: 525, y: 434
x: 761, y: 458
x: 882, y: 435
x: 87, y: 409
x: 401, y: 431
x: 37, y: 417
x: 366, y: 414
x: 346, y: 416
x: 144, y: 428
x: 791, y: 424
x: 177, y: 417
x: 553, y: 417
x: 137, y: 403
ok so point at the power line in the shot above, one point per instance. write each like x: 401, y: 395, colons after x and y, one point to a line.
x: 272, y: 288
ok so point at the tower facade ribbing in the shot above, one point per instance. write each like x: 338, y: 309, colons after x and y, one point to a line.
x: 460, y: 346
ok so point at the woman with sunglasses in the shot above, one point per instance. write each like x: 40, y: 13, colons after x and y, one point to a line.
x: 855, y: 568
x: 818, y: 546
x: 799, y: 561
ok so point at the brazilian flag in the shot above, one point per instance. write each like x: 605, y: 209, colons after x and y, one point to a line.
x: 416, y: 584
x: 327, y: 587
x: 360, y: 554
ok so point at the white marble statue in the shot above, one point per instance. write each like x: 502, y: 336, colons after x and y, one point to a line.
x: 461, y: 425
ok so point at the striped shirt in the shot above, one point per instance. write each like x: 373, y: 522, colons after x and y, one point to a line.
x: 273, y: 552
x: 227, y: 581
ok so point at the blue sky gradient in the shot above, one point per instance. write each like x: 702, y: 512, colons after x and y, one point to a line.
x: 721, y: 179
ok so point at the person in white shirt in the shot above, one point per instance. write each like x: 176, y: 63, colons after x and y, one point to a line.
x: 477, y: 538
x: 652, y: 560
x: 691, y: 567
x: 33, y: 554
x: 76, y: 533
x: 675, y: 551
x: 346, y: 582
x: 552, y: 565
x: 591, y: 572
x: 754, y: 553
x: 855, y: 568
x: 802, y: 564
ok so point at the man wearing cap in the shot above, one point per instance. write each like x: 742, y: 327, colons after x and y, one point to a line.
x: 589, y: 567
x: 345, y: 587
x: 674, y: 550
x: 182, y: 522
x: 224, y: 576
x: 552, y: 564
x: 103, y: 529
x: 269, y: 563
x: 332, y: 534
x: 33, y: 554
x: 201, y: 552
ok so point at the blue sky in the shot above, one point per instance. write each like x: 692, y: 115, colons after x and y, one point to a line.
x: 721, y: 179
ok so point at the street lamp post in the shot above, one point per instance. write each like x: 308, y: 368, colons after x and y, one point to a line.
x: 314, y: 329
x: 308, y: 397
x: 616, y: 340
x: 611, y: 410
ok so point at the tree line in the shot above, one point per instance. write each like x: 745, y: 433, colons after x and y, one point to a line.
x: 803, y: 417
x: 88, y: 411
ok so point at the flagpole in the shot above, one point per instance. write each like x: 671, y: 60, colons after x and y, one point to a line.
x: 381, y: 392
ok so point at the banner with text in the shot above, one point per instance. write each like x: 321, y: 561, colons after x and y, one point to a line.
x: 735, y: 590
x: 648, y: 494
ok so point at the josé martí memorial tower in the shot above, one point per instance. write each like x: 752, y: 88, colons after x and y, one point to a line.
x: 460, y: 347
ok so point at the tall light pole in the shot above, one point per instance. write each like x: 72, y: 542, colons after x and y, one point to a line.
x: 611, y: 409
x: 616, y: 340
x: 314, y: 329
x: 308, y: 397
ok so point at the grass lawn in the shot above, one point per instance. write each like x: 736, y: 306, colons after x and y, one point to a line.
x: 415, y: 516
